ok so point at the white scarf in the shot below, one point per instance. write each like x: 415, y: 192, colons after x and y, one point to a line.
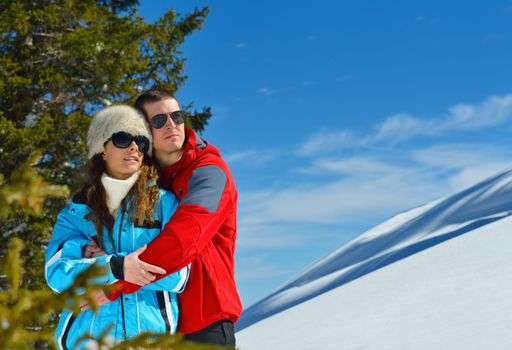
x: 117, y: 189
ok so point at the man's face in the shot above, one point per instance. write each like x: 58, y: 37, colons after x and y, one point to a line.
x: 171, y: 136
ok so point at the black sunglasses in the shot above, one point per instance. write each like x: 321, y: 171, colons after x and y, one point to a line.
x: 123, y: 139
x: 159, y: 120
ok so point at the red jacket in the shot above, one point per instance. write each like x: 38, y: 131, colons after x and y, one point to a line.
x: 202, y: 231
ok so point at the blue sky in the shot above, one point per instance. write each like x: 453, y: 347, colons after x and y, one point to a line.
x: 336, y: 115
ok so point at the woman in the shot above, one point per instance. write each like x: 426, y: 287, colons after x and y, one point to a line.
x: 119, y: 209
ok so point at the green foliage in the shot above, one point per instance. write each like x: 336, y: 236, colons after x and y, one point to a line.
x: 25, y: 314
x: 18, y: 307
x: 22, y: 209
x: 60, y: 61
x: 27, y: 190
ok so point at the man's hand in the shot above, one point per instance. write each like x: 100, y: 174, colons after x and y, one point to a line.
x: 99, y: 298
x: 92, y: 250
x: 137, y: 271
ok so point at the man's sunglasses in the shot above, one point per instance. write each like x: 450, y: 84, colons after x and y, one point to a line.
x: 159, y: 120
x: 123, y: 139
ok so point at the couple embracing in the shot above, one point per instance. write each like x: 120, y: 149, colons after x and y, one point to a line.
x: 164, y: 238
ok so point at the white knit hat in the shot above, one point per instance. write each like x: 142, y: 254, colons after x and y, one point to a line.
x: 113, y: 119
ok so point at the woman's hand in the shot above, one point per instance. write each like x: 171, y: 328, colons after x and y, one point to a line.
x: 99, y: 298
x: 92, y: 250
x: 137, y: 271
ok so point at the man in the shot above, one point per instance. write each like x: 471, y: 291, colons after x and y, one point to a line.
x: 202, y: 231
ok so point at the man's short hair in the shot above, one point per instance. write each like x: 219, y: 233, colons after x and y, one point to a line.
x: 154, y: 94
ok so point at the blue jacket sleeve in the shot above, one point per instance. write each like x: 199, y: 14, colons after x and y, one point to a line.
x: 175, y: 282
x: 63, y: 261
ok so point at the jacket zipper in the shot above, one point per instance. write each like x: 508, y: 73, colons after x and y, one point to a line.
x: 119, y: 251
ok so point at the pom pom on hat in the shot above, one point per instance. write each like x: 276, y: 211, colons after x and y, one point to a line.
x: 113, y: 119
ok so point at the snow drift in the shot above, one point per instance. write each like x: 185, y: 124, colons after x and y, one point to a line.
x: 426, y: 293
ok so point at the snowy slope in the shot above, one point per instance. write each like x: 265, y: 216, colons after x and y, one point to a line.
x: 456, y: 295
x: 403, y: 236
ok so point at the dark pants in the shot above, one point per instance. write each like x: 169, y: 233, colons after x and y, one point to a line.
x: 220, y: 333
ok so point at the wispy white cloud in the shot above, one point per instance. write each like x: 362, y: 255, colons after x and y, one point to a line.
x: 238, y: 156
x: 362, y: 186
x: 493, y: 111
x: 351, y: 166
x: 326, y: 140
x: 241, y: 45
x: 460, y: 155
x: 251, y: 156
x: 469, y: 162
x: 402, y: 127
x: 339, y: 201
x: 266, y: 90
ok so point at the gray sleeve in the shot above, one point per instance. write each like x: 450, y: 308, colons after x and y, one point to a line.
x: 205, y: 187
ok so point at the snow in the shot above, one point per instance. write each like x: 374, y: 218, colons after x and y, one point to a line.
x: 456, y: 295
x: 434, y: 277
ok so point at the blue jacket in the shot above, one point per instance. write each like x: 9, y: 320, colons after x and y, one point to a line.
x: 153, y: 308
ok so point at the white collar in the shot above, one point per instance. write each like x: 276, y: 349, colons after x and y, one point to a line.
x: 117, y: 189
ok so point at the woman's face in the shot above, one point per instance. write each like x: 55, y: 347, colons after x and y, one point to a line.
x: 121, y: 163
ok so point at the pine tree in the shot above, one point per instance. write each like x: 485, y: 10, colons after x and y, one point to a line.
x: 60, y: 61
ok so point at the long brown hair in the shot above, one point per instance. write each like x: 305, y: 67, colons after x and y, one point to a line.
x: 140, y: 200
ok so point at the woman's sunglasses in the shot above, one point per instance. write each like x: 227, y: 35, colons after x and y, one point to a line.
x: 159, y: 120
x: 123, y: 139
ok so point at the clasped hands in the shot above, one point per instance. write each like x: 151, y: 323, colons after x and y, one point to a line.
x: 135, y: 271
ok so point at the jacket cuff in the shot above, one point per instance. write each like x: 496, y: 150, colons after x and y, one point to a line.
x: 117, y: 266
